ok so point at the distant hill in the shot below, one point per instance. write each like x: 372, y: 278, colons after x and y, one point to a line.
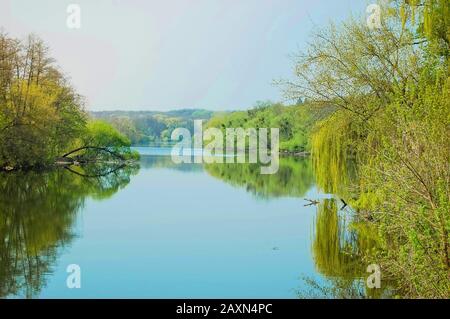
x: 182, y: 113
x: 145, y: 127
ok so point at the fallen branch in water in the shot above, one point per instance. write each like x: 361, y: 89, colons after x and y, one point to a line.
x: 103, y: 149
x: 311, y: 202
x: 345, y: 204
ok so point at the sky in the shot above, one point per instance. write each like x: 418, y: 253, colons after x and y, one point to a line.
x: 171, y: 54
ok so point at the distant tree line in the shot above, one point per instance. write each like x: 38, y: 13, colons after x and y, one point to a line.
x: 147, y: 127
x: 295, y: 122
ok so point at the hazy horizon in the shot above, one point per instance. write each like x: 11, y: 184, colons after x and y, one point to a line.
x: 150, y: 56
x: 156, y: 110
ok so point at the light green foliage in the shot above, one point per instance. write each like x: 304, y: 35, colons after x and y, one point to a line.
x: 145, y: 127
x: 409, y: 175
x: 430, y: 19
x: 41, y: 116
x: 390, y: 89
x: 294, y: 123
x: 334, y: 155
x: 100, y: 133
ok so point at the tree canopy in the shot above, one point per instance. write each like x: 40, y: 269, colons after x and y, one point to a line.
x: 389, y: 88
x: 41, y: 115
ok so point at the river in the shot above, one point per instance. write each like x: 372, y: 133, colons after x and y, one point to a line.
x: 166, y: 230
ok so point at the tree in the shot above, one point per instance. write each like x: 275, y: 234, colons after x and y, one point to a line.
x: 389, y: 91
x: 41, y: 115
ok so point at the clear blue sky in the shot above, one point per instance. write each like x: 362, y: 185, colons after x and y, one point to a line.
x: 169, y: 54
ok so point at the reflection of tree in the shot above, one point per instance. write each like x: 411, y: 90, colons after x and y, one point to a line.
x: 37, y: 211
x: 335, y: 173
x: 337, y: 252
x: 334, y: 248
x: 293, y: 179
x: 155, y: 161
x: 103, y: 181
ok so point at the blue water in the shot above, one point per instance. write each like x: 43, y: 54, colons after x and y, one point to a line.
x: 177, y: 232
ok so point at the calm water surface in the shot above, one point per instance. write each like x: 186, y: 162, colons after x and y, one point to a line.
x: 162, y: 230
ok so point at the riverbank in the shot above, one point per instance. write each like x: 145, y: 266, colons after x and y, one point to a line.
x: 66, y: 163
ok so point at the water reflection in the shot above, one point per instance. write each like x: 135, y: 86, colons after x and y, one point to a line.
x: 334, y: 248
x: 37, y: 214
x: 339, y: 241
x: 160, y: 161
x: 339, y: 244
x: 293, y: 179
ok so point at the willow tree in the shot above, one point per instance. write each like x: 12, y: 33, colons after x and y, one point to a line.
x: 430, y: 19
x: 390, y: 91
